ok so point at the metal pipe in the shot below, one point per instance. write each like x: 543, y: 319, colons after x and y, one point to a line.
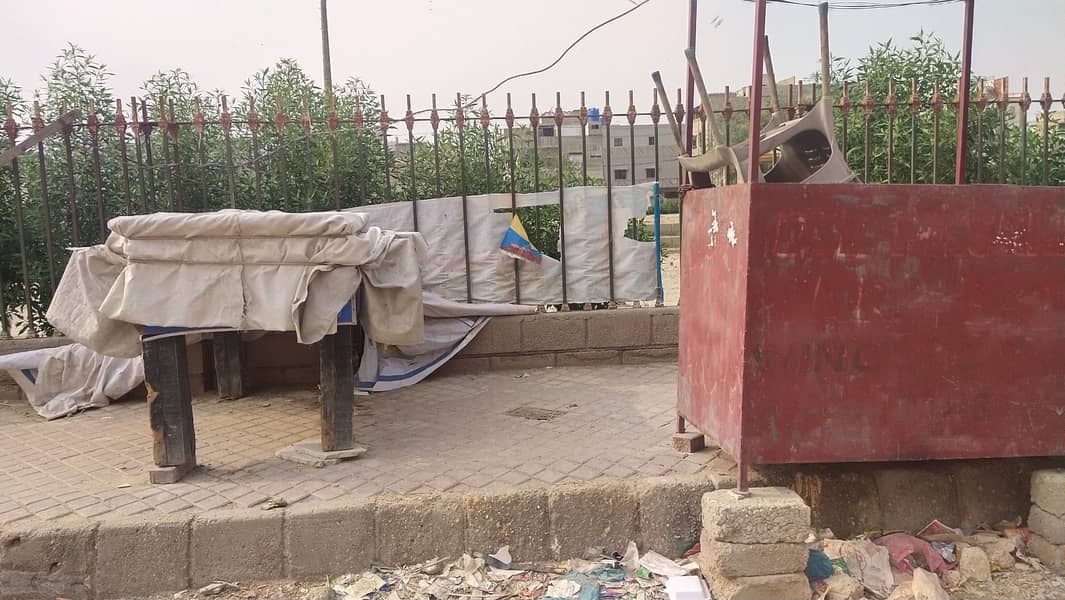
x: 327, y: 68
x: 826, y: 71
x: 755, y: 124
x: 690, y: 96
x: 963, y: 100
x: 659, y: 296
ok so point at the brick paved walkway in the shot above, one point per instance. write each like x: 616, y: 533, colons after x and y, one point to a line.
x: 449, y: 433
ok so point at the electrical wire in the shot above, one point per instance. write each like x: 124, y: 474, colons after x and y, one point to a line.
x: 556, y: 61
x: 865, y: 5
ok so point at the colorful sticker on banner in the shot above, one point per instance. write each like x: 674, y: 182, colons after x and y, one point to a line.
x: 516, y: 243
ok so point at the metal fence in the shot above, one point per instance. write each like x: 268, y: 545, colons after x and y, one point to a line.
x: 180, y: 155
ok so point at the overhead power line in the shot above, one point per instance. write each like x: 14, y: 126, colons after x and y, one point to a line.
x: 865, y: 4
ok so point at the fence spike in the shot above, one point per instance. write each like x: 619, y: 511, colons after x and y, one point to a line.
x: 631, y: 113
x: 409, y: 117
x: 679, y: 110
x: 726, y: 112
x: 38, y: 121
x: 120, y: 119
x: 197, y: 116
x: 534, y: 115
x: 434, y: 116
x: 510, y: 113
x: 253, y: 116
x: 279, y: 116
x: 485, y: 117
x: 559, y: 115
x: 1045, y: 99
x: 164, y: 124
x: 912, y: 102
x: 1026, y: 98
x: 656, y: 110
x: 867, y: 101
x: 582, y: 112
x: 383, y: 121
x: 937, y: 100
x: 227, y: 119
x: 890, y: 102
x: 608, y: 114
x: 460, y: 112
x: 845, y: 102
x: 10, y: 127
x: 133, y: 115
x: 1002, y: 94
x: 92, y: 122
x: 956, y: 101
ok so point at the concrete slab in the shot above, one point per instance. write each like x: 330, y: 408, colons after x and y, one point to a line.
x: 309, y: 452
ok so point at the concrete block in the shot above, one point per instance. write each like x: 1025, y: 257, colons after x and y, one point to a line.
x: 989, y: 491
x: 751, y: 560
x: 665, y: 326
x: 47, y: 561
x: 588, y: 357
x: 600, y: 515
x: 141, y: 556
x: 464, y: 365
x: 1048, y: 490
x: 1048, y: 526
x: 523, y: 361
x: 515, y: 518
x: 688, y: 442
x: 626, y: 328
x: 670, y: 510
x: 552, y: 332
x: 1052, y: 555
x: 642, y: 356
x: 767, y: 587
x: 412, y: 529
x: 239, y: 545
x: 502, y: 335
x: 326, y: 539
x: 769, y: 515
x: 911, y: 496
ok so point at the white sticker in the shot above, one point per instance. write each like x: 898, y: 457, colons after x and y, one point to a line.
x: 711, y: 232
x: 731, y: 234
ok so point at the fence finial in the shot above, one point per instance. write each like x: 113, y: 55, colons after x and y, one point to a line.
x: 120, y: 119
x: 434, y: 116
x: 631, y: 113
x: 912, y: 102
x: 608, y: 113
x: 510, y: 113
x: 656, y: 110
x: 460, y: 112
x: 844, y: 102
x: 197, y: 116
x: 38, y: 121
x: 253, y: 115
x: 559, y: 114
x: 227, y: 119
x: 408, y: 118
x: 1026, y: 98
x: 937, y: 100
x: 981, y: 98
x: 9, y: 125
x: 485, y: 117
x: 867, y: 100
x: 726, y: 112
x: 92, y: 123
x: 534, y: 115
x: 384, y: 120
x: 136, y: 124
x: 891, y: 101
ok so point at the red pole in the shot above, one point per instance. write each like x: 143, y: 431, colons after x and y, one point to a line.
x: 963, y: 95
x: 689, y: 121
x: 755, y: 107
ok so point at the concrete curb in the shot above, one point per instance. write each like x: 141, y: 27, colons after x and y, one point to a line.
x: 127, y: 557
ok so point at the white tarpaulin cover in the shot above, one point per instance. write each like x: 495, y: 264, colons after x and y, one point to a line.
x: 246, y: 270
x: 449, y: 327
x: 587, y: 246
x: 64, y: 380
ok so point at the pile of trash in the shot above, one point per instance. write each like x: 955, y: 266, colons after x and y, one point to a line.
x: 627, y: 576
x: 897, y: 565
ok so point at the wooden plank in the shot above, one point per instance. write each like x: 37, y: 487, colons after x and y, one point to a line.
x: 38, y: 136
x: 338, y: 389
x: 229, y: 364
x: 170, y: 402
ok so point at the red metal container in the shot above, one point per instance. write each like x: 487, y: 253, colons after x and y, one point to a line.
x: 852, y: 322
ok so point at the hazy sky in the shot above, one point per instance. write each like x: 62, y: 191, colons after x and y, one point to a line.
x: 447, y: 46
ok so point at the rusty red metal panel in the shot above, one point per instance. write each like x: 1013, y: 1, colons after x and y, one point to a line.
x: 713, y: 297
x: 881, y: 322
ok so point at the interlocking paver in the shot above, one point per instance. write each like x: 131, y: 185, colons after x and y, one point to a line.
x: 446, y: 433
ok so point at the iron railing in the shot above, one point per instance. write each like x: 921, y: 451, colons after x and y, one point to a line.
x: 155, y: 156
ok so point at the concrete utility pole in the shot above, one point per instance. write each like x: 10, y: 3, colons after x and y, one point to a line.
x: 326, y: 66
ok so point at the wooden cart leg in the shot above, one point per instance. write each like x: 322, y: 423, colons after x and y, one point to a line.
x: 166, y: 375
x: 229, y: 364
x: 338, y: 389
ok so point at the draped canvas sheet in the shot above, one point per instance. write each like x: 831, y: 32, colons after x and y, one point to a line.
x: 492, y: 280
x: 245, y: 270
